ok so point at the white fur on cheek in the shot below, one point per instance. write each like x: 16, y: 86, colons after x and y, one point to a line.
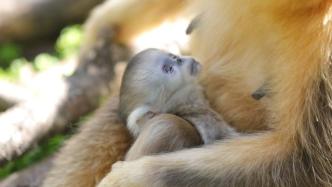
x: 135, y: 115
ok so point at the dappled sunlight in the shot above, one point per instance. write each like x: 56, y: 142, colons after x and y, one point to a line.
x: 327, y: 17
x: 170, y: 36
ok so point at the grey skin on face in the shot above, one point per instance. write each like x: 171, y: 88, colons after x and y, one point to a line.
x: 153, y: 76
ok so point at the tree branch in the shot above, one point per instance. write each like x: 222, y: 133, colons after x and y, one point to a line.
x: 12, y: 94
x: 24, y: 20
x: 62, y: 102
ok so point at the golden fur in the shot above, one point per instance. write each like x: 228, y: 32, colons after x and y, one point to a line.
x: 243, y: 45
x: 89, y: 154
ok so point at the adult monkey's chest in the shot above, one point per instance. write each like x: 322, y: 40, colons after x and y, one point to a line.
x: 234, y: 53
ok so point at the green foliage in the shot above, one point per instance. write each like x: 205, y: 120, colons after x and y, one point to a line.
x: 69, y: 41
x: 12, y: 62
x: 36, y: 154
x: 8, y: 53
x: 13, y: 71
x: 44, y: 61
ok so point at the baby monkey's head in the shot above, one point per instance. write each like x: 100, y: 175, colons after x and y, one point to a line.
x: 152, y: 77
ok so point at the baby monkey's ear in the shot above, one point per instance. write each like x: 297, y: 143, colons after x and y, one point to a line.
x: 260, y: 92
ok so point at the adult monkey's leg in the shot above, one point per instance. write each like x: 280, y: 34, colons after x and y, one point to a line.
x: 87, y: 156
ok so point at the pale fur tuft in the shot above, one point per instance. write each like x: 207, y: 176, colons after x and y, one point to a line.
x: 134, y: 116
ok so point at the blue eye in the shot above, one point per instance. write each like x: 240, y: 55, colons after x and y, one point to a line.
x: 167, y: 68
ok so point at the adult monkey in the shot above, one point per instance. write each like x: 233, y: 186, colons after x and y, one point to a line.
x: 281, y: 44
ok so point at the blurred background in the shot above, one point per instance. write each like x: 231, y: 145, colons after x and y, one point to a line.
x: 47, y: 89
x: 39, y: 40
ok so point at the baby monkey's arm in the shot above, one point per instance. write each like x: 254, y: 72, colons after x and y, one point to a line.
x: 163, y: 133
x: 209, y: 124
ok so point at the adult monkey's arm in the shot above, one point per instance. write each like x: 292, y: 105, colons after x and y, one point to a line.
x: 129, y: 17
x: 230, y: 163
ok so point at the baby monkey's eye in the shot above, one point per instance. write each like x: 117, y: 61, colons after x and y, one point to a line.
x: 177, y: 59
x: 168, y: 68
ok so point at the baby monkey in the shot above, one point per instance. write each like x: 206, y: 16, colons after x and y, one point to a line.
x: 164, y: 106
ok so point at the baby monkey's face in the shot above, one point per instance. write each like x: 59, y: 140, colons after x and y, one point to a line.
x: 167, y: 70
x: 154, y: 77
